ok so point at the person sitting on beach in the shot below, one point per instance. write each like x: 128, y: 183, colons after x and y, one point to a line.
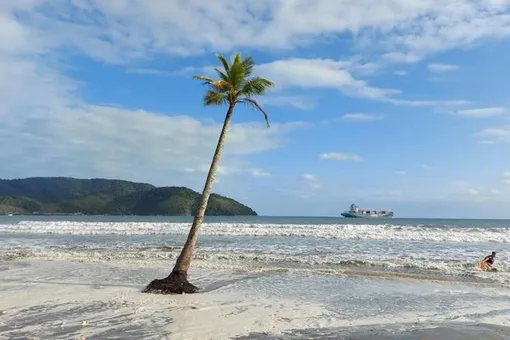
x: 488, y: 261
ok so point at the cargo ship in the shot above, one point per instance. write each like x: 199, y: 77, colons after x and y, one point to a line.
x: 356, y: 212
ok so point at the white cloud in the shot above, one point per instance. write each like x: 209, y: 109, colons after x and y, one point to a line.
x: 338, y: 156
x: 483, y: 112
x: 361, y: 117
x: 399, y: 57
x: 326, y: 74
x: 57, y: 133
x: 437, y: 68
x: 400, y: 172
x: 472, y: 192
x: 423, y: 103
x: 311, y: 181
x: 320, y: 73
x: 121, y: 30
x: 464, y: 191
x: 369, y: 68
x: 400, y: 73
x: 460, y: 183
x: 260, y: 173
x: 162, y: 73
x: 309, y: 177
x: 499, y: 133
x: 505, y: 177
x: 425, y: 166
x: 121, y: 143
x: 298, y: 102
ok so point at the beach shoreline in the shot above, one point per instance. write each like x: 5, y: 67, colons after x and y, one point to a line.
x: 63, y: 299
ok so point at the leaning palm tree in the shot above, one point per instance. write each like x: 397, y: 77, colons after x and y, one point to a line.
x: 234, y: 86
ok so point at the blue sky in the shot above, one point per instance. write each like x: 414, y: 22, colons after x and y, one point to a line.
x: 401, y: 104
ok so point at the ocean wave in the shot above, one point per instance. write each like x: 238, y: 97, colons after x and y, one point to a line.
x: 341, y: 231
x: 250, y: 260
x: 423, y: 268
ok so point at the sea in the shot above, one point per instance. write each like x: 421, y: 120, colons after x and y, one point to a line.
x: 261, y: 278
x: 444, y: 249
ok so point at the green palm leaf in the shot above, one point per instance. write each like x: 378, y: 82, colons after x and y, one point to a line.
x: 255, y: 87
x: 215, y: 98
x: 234, y: 84
x: 222, y: 75
x: 223, y: 61
x: 249, y: 64
x: 237, y: 73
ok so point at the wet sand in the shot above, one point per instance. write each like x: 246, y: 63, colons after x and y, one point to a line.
x: 443, y: 332
x: 64, y: 299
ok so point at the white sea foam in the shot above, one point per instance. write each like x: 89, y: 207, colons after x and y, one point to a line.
x: 342, y: 231
x: 425, y: 268
x: 325, y: 248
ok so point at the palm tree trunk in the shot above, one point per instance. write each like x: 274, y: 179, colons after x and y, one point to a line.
x: 184, y: 260
x: 176, y: 282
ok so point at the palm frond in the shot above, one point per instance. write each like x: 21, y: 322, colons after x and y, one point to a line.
x: 253, y: 103
x: 205, y: 79
x: 222, y: 75
x: 256, y: 86
x: 248, y: 63
x: 237, y: 72
x: 233, y: 84
x: 221, y: 85
x: 215, y: 98
x: 235, y: 57
x: 223, y: 61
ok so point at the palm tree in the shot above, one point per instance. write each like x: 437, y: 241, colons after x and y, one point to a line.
x: 234, y: 86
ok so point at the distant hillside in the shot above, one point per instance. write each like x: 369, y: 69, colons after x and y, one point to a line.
x: 177, y: 201
x: 63, y: 195
x: 55, y: 189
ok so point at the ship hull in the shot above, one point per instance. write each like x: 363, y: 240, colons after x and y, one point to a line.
x: 354, y: 215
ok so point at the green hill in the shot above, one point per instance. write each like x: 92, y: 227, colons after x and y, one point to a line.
x: 63, y: 195
x: 177, y: 201
x: 11, y: 204
x: 55, y: 189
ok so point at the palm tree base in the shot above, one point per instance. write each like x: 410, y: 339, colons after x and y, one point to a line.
x: 175, y: 283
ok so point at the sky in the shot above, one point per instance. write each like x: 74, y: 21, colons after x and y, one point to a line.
x: 395, y: 104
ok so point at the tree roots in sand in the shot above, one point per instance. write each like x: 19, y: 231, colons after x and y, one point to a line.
x: 175, y: 283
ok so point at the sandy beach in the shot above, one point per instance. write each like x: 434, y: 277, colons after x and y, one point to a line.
x: 62, y: 299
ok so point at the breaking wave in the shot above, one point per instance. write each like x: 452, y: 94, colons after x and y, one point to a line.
x: 419, y: 268
x: 389, y: 232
